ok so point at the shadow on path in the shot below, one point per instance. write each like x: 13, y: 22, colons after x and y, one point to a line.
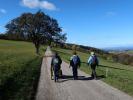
x: 65, y: 78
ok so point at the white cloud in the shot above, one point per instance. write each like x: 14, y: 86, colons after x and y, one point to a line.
x: 47, y: 5
x: 30, y: 3
x: 110, y: 13
x: 39, y: 4
x: 3, y: 11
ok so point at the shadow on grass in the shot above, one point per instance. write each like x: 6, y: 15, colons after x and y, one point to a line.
x: 114, y: 68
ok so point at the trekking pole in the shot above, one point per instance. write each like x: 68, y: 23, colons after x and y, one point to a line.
x: 107, y: 70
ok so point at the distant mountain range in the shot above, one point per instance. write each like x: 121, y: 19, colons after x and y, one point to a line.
x: 121, y: 48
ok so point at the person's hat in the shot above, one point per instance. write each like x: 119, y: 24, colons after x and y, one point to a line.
x: 92, y: 53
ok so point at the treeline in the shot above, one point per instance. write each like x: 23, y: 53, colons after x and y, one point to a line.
x: 13, y: 37
x: 122, y: 58
x: 82, y: 48
x: 3, y: 36
x: 86, y: 49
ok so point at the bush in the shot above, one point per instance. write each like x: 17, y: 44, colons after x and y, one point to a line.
x: 123, y: 58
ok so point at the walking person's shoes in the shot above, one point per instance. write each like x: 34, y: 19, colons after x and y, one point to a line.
x: 56, y: 79
x: 92, y: 77
x: 95, y: 78
x: 75, y: 78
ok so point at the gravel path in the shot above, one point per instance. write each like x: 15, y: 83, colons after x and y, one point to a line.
x: 69, y: 89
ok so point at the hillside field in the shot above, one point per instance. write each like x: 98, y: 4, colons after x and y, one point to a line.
x: 19, y: 70
x: 115, y: 74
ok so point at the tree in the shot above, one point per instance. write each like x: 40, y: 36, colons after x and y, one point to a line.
x: 3, y: 36
x: 37, y: 27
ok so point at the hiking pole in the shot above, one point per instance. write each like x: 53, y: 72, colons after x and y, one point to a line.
x: 107, y: 70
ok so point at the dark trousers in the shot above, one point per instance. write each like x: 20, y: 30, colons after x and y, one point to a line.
x: 93, y: 68
x: 75, y: 71
x: 56, y: 72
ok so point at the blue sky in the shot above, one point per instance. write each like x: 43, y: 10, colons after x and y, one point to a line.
x: 96, y: 23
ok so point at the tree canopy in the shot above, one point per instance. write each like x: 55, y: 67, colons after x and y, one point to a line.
x: 38, y: 28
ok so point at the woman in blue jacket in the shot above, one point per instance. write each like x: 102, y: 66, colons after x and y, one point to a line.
x: 93, y: 62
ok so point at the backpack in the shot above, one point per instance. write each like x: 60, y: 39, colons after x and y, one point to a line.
x: 94, y: 60
x: 75, y: 60
x: 56, y: 61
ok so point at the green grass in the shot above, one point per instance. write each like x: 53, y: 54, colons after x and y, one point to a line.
x: 126, y: 52
x: 19, y: 70
x: 129, y: 52
x: 118, y: 75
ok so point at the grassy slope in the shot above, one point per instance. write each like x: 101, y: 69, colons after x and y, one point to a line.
x: 129, y: 52
x: 118, y: 75
x: 19, y: 70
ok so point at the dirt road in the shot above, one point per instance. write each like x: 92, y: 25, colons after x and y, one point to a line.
x: 69, y: 89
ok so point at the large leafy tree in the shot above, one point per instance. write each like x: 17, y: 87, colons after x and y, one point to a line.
x: 37, y: 27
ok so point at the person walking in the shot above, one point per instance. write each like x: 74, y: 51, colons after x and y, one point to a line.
x: 93, y: 62
x: 75, y: 63
x: 56, y: 66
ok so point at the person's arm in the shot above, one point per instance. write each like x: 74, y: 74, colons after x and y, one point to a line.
x: 97, y: 61
x: 79, y: 61
x: 89, y: 60
x: 71, y: 62
x: 52, y: 62
x: 60, y: 61
x: 51, y: 68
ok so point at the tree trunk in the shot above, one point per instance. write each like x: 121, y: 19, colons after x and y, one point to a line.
x: 49, y: 43
x: 37, y: 48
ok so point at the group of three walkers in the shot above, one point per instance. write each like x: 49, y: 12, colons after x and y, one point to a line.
x: 75, y: 63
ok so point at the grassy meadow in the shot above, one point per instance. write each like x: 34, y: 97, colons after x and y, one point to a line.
x: 115, y: 74
x: 129, y: 52
x: 19, y: 70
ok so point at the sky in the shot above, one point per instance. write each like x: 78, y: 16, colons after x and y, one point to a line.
x: 96, y: 23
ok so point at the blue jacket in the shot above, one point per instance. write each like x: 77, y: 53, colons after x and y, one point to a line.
x: 91, y: 59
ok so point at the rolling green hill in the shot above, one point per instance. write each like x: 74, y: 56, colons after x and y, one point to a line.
x: 19, y: 70
x: 115, y: 74
x: 129, y: 52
